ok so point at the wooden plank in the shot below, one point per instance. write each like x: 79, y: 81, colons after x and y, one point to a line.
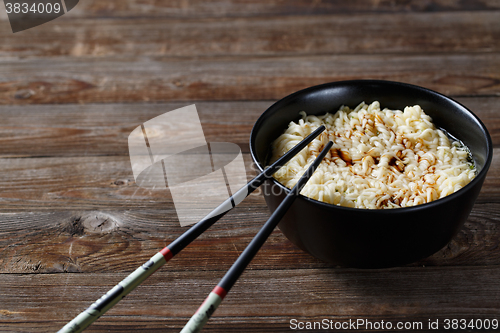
x: 120, y: 241
x: 154, y: 79
x: 226, y: 8
x: 103, y: 129
x: 288, y: 35
x: 261, y: 301
x: 78, y: 183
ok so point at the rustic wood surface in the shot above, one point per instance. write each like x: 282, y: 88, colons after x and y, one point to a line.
x: 73, y: 223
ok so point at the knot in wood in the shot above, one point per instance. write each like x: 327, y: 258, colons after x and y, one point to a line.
x: 91, y: 223
x: 97, y: 222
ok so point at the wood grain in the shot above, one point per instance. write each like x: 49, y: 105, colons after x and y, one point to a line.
x: 373, y: 33
x: 303, y: 294
x: 102, y: 129
x: 155, y: 79
x: 78, y: 183
x: 120, y: 241
x: 225, y: 8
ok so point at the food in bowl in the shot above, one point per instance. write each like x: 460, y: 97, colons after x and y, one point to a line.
x: 381, y: 158
x: 372, y: 238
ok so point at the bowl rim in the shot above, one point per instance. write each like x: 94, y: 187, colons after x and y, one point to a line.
x: 479, y: 177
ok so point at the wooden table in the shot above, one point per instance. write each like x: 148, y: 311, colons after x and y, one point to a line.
x: 73, y: 223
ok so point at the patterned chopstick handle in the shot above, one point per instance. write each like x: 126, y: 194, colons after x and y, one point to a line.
x: 108, y: 300
x: 205, y: 311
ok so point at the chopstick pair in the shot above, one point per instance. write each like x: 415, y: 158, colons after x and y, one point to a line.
x: 113, y: 296
x: 214, y: 299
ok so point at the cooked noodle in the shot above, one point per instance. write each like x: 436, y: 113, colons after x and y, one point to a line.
x: 379, y: 159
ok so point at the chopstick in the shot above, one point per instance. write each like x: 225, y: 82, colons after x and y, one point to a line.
x: 113, y: 296
x: 214, y: 299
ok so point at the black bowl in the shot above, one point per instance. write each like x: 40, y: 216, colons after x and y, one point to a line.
x: 368, y: 238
